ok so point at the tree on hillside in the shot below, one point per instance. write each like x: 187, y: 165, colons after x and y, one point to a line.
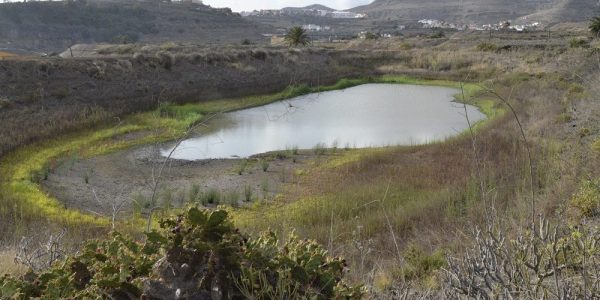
x: 595, y: 26
x: 297, y: 36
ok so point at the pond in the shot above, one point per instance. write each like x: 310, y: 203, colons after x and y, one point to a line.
x: 370, y: 115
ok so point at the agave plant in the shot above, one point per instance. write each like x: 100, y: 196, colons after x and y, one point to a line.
x: 297, y: 36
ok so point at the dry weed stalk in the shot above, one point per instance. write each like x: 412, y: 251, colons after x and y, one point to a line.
x: 548, y: 262
x: 506, y: 101
x: 40, y: 253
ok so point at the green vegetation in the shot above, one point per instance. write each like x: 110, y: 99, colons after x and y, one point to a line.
x: 437, y: 35
x: 596, y: 146
x: 248, y: 193
x: 211, y: 197
x: 215, y: 253
x: 595, y: 26
x: 22, y: 196
x: 579, y: 43
x: 485, y: 46
x: 296, y: 36
x: 587, y: 198
x: 265, y: 165
x: 419, y: 264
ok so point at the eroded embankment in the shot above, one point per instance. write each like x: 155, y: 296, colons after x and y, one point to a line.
x: 40, y: 98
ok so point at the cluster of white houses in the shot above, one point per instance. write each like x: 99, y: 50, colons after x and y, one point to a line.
x: 504, y: 25
x: 315, y: 28
x: 335, y: 14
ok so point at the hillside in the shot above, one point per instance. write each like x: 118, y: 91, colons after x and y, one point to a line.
x: 313, y: 6
x: 480, y: 11
x: 54, y: 26
x: 567, y: 11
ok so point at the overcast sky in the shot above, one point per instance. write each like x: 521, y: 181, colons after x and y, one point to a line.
x: 247, y: 5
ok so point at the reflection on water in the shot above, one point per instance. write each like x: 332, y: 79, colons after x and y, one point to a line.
x: 369, y: 115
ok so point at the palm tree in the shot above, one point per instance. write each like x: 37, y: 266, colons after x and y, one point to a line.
x: 595, y: 26
x: 297, y: 36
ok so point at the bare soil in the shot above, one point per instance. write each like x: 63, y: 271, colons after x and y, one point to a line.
x: 100, y: 184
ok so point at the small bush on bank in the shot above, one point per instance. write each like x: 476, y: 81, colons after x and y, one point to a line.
x: 485, y: 46
x: 4, y: 102
x: 437, y: 35
x: 420, y: 264
x: 265, y: 165
x: 166, y: 59
x: 596, y: 146
x: 564, y: 118
x: 248, y: 193
x: 212, y: 196
x: 587, y: 198
x: 579, y: 43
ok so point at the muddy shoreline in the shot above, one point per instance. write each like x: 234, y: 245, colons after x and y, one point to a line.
x: 99, y: 185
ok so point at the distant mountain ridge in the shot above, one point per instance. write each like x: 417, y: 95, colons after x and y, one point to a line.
x: 319, y: 7
x: 482, y: 11
x: 309, y: 7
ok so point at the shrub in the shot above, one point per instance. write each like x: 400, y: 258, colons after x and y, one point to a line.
x: 320, y: 149
x: 371, y: 36
x: 587, y: 198
x: 564, y: 118
x: 497, y: 266
x: 294, y: 150
x: 60, y: 93
x: 192, y: 254
x: 259, y: 54
x: 596, y: 146
x: 4, y: 102
x: 212, y: 196
x: 248, y: 193
x: 485, y: 46
x: 139, y: 57
x: 583, y: 132
x: 168, y: 46
x: 233, y: 198
x: 406, y: 46
x: 419, y: 264
x: 126, y: 38
x: 194, y: 192
x: 437, y: 35
x: 242, y: 167
x: 265, y: 165
x: 165, y: 59
x: 578, y: 43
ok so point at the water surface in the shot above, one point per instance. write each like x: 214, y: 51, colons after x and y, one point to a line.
x: 369, y: 115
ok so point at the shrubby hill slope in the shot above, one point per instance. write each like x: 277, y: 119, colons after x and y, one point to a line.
x: 482, y: 11
x: 54, y: 26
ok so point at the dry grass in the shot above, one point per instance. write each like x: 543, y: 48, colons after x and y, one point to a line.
x: 8, y: 264
x: 428, y: 193
x: 4, y: 55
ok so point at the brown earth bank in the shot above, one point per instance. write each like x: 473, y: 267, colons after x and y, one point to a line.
x: 43, y: 97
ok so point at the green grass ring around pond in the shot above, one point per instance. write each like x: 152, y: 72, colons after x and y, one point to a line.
x: 22, y: 197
